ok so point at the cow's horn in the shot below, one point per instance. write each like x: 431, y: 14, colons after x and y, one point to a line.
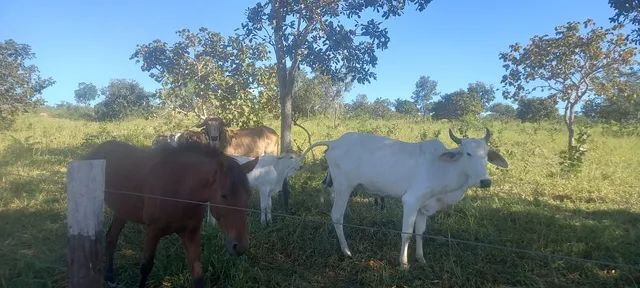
x: 487, y: 135
x: 454, y: 137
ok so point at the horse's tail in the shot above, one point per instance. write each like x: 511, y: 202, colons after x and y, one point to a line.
x: 319, y: 143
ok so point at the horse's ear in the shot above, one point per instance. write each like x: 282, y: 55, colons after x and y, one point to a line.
x: 248, y: 166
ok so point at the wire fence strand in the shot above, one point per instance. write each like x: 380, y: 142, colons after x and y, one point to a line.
x: 362, y: 227
x: 387, y: 230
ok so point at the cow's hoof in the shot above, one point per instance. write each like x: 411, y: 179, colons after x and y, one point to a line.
x: 421, y: 260
x: 346, y: 253
x: 404, y: 266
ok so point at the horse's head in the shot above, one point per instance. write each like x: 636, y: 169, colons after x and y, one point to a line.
x: 230, y: 196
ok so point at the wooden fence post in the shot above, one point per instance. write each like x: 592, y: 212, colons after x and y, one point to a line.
x: 85, y: 198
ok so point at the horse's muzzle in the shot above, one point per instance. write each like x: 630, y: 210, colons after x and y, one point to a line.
x: 234, y: 247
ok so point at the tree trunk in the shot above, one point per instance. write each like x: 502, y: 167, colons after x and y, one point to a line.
x: 568, y: 120
x: 286, y: 118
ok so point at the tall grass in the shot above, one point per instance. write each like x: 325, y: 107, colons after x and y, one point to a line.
x: 533, y: 205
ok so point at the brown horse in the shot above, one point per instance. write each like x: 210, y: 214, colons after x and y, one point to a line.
x: 194, y: 173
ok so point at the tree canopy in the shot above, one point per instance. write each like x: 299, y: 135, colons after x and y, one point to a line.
x: 85, y: 93
x: 425, y: 89
x: 536, y: 109
x: 406, y: 107
x: 123, y: 98
x: 627, y: 11
x: 502, y: 111
x: 569, y: 65
x: 20, y: 82
x: 207, y: 74
x: 457, y: 105
x: 328, y: 36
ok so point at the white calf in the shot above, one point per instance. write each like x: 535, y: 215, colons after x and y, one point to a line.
x: 267, y: 177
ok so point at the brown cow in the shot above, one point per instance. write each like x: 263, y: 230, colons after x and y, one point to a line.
x: 250, y: 142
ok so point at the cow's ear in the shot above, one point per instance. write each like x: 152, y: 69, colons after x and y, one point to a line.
x: 496, y: 159
x: 450, y: 156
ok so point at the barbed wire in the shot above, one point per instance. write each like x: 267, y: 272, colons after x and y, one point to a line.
x: 380, y: 229
x: 387, y: 230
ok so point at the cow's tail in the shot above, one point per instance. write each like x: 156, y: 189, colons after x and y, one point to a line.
x: 319, y: 143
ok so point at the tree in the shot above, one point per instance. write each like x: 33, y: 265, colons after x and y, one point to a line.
x: 320, y: 35
x: 85, y: 93
x: 316, y: 95
x: 405, y: 107
x: 457, y: 105
x: 207, y: 74
x: 627, y: 11
x: 359, y: 105
x: 20, y: 83
x: 381, y: 108
x: 536, y: 109
x: 571, y: 65
x: 486, y: 93
x: 424, y: 92
x: 502, y: 111
x: 123, y: 98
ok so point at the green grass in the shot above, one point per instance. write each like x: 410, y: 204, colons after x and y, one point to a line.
x: 532, y: 205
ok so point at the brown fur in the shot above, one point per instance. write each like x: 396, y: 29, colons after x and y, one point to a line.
x: 251, y: 142
x: 190, y: 172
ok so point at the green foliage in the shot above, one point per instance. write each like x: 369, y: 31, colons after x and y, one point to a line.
x: 536, y: 109
x: 502, y: 111
x: 486, y: 93
x: 569, y: 65
x: 207, y: 74
x: 405, y: 107
x: 85, y: 93
x: 317, y: 95
x: 572, y: 160
x: 627, y: 11
x: 20, y: 83
x: 457, y: 105
x: 66, y: 110
x: 123, y: 98
x: 423, y: 93
x: 361, y: 107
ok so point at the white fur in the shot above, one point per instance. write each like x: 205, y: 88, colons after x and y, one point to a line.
x: 268, y: 176
x: 417, y: 173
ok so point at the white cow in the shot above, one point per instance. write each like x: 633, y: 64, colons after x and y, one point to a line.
x: 426, y: 176
x: 267, y: 177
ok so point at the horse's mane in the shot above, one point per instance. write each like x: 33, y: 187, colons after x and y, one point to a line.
x: 193, y: 148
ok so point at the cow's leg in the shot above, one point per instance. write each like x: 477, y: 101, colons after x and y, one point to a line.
x: 110, y: 248
x: 420, y: 227
x: 264, y: 195
x: 269, y: 205
x: 409, y: 213
x: 285, y: 194
x: 341, y: 197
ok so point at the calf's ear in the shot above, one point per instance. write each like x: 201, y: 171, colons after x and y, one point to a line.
x: 496, y: 159
x: 450, y: 156
x: 248, y: 166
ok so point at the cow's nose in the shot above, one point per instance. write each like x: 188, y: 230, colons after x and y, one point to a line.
x: 485, y: 183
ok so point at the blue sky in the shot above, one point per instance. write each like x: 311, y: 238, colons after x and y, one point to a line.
x: 455, y: 42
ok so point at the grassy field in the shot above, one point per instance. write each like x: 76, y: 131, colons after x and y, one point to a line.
x: 532, y: 205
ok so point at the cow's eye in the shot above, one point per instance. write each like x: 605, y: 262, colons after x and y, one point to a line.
x: 468, y: 154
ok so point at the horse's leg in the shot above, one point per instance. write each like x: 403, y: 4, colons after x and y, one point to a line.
x: 191, y: 242
x: 110, y: 248
x: 151, y: 238
x: 285, y: 194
